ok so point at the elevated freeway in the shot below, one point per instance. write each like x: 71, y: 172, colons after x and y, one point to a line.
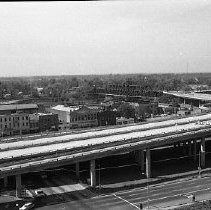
x: 23, y: 156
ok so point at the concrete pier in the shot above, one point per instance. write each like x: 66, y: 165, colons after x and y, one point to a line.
x: 92, y: 173
x: 77, y: 170
x: 140, y: 159
x: 195, y: 151
x: 5, y: 181
x: 202, y: 152
x: 148, y: 163
x: 18, y: 185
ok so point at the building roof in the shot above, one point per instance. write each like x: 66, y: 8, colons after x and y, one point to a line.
x: 18, y: 107
x: 75, y: 108
x: 192, y: 95
x: 65, y: 108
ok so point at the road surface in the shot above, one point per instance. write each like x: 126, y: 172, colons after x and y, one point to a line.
x: 160, y: 197
x: 26, y: 148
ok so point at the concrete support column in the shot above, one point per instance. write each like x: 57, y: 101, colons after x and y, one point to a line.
x: 92, y: 173
x: 5, y: 181
x: 77, y: 170
x: 195, y: 150
x: 202, y: 152
x: 18, y: 185
x: 140, y: 159
x: 184, y: 148
x: 189, y: 148
x: 148, y: 163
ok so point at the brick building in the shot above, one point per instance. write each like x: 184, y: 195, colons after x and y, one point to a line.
x: 44, y: 122
x: 14, y: 124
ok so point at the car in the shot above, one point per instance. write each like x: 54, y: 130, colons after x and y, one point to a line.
x: 39, y: 193
x: 27, y: 206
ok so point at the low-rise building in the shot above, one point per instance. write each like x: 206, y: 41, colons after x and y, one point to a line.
x: 84, y: 116
x: 76, y: 116
x: 124, y: 121
x: 106, y: 117
x: 63, y: 113
x: 14, y: 124
x: 44, y: 122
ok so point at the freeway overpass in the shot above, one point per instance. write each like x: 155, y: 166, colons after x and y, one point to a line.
x: 35, y: 154
x: 193, y: 97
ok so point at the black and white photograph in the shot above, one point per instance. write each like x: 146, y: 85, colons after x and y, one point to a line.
x: 105, y: 105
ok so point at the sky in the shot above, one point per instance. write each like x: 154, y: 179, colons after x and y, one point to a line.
x: 105, y: 37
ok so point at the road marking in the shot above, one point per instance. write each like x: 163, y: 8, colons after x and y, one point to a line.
x: 155, y: 187
x: 191, y: 192
x: 125, y: 201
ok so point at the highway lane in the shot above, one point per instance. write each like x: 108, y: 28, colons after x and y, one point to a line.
x: 106, y: 132
x: 100, y: 140
x: 160, y: 196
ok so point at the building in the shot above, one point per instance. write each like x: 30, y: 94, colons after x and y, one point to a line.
x: 14, y: 108
x: 124, y: 121
x: 63, y: 113
x: 43, y: 122
x: 76, y: 116
x: 106, y: 117
x: 14, y: 124
x: 84, y: 116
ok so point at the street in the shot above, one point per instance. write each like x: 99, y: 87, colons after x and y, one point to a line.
x: 156, y: 197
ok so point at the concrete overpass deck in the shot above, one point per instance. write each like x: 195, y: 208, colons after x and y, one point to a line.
x: 26, y: 159
x: 17, y: 158
x: 79, y: 138
x: 35, y: 149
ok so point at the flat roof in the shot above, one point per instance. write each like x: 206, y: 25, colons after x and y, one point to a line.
x: 192, y: 95
x: 18, y: 107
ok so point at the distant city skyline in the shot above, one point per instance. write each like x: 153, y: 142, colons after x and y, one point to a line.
x: 105, y: 37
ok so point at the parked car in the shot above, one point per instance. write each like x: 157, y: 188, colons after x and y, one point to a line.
x: 27, y: 206
x: 39, y: 193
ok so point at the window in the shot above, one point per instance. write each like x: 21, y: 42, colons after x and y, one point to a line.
x: 5, y: 119
x: 22, y: 118
x: 9, y: 118
x: 5, y: 126
x: 27, y: 117
x: 23, y: 124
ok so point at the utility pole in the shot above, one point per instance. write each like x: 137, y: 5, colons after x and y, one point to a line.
x: 147, y: 193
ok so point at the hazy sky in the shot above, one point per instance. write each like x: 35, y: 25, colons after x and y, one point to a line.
x: 100, y: 37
